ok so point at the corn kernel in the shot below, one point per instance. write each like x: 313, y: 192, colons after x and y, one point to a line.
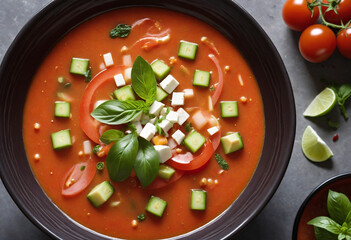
x: 80, y: 153
x: 210, y: 181
x: 134, y: 223
x: 203, y: 182
x: 172, y: 60
x: 204, y: 39
x: 101, y: 154
x: 226, y: 69
x: 179, y: 150
x: 220, y: 171
x: 243, y: 99
x: 124, y: 49
x: 216, y: 181
x: 36, y: 126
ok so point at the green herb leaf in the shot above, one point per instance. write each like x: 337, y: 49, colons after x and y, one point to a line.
x: 143, y: 80
x: 111, y: 135
x: 87, y: 75
x: 338, y: 206
x: 100, y: 166
x: 348, y: 221
x: 342, y: 94
x: 96, y: 149
x: 326, y: 223
x: 333, y: 124
x: 188, y: 127
x: 115, y: 112
x: 322, y: 234
x: 146, y: 163
x: 121, y: 158
x: 82, y: 168
x: 141, y: 217
x: 222, y: 163
x: 121, y: 30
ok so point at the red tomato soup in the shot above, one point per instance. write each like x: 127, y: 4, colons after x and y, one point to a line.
x: 119, y: 205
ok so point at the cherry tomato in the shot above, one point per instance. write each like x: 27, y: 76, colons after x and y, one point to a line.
x: 87, y: 123
x: 343, y: 42
x: 317, y: 43
x: 78, y: 178
x: 343, y: 9
x: 297, y: 15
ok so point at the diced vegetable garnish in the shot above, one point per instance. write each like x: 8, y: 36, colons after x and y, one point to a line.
x: 165, y: 172
x: 187, y: 50
x: 62, y: 109
x: 141, y: 217
x: 221, y: 162
x: 124, y: 93
x: 108, y: 59
x: 156, y: 206
x: 164, y: 152
x: 169, y: 84
x: 159, y: 140
x: 79, y: 66
x: 229, y: 109
x: 100, y: 193
x: 160, y: 69
x: 199, y: 120
x: 61, y: 139
x: 201, y: 78
x: 177, y: 99
x: 213, y: 130
x: 198, y: 199
x: 194, y: 141
x: 232, y: 142
x: 100, y: 166
x: 160, y: 94
x: 119, y: 80
x: 87, y: 147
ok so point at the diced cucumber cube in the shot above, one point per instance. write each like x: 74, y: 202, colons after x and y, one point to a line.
x: 156, y: 206
x: 160, y: 69
x: 201, y: 78
x: 79, y: 66
x: 198, y: 199
x: 62, y: 109
x: 165, y: 172
x: 194, y: 141
x: 61, y: 139
x: 232, y: 142
x: 101, y: 193
x: 229, y: 109
x: 187, y: 50
x: 160, y: 94
x: 124, y: 93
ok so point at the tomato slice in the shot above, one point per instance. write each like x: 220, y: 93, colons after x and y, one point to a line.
x: 219, y: 88
x: 77, y: 179
x: 160, y: 183
x: 88, y: 124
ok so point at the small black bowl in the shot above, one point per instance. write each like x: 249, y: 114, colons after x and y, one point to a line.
x: 316, y: 203
x: 39, y: 36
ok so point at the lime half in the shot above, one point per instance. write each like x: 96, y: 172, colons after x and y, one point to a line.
x: 321, y: 104
x: 314, y: 148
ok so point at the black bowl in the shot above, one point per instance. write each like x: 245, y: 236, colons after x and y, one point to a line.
x: 42, y: 32
x: 317, y: 200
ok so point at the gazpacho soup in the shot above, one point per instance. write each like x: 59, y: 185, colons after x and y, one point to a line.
x: 143, y: 123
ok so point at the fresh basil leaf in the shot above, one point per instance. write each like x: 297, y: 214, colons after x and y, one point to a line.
x: 146, y: 163
x: 342, y: 94
x: 111, y: 135
x: 341, y: 236
x: 143, y: 80
x: 121, y: 30
x: 221, y: 162
x: 322, y: 234
x: 121, y: 158
x: 326, y: 223
x: 115, y: 112
x: 348, y: 220
x: 338, y: 206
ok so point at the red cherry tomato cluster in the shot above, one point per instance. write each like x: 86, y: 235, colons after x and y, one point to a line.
x: 318, y: 41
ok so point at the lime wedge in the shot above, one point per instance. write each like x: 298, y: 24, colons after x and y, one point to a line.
x: 314, y: 148
x: 321, y: 104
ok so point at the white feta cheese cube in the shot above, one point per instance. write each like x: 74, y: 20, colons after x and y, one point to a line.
x: 177, y: 99
x: 119, y: 80
x: 98, y: 103
x: 148, y: 131
x: 128, y: 74
x: 212, y: 130
x: 188, y: 93
x: 152, y: 121
x: 127, y: 61
x: 182, y: 116
x: 165, y: 125
x: 172, y: 116
x: 164, y: 152
x: 199, y: 120
x: 169, y: 84
x: 178, y: 136
x: 155, y: 108
x: 108, y: 59
x: 138, y: 126
x: 164, y: 111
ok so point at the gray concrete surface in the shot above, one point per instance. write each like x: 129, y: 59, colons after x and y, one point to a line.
x: 276, y: 220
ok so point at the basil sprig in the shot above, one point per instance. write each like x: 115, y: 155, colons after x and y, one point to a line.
x: 111, y: 135
x: 338, y: 225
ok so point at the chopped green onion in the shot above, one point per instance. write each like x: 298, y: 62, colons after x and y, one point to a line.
x: 96, y: 149
x: 222, y: 163
x: 141, y: 217
x: 100, y: 166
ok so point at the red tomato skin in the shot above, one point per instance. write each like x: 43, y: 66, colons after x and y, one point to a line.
x: 297, y: 16
x: 343, y: 9
x: 317, y: 43
x: 343, y: 42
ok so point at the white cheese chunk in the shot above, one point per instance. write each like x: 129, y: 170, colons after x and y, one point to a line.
x: 182, y: 116
x: 178, y: 136
x: 152, y: 121
x: 128, y: 74
x: 212, y: 130
x: 169, y: 84
x: 188, y: 93
x: 155, y: 108
x: 148, y: 131
x: 127, y: 61
x: 177, y: 99
x: 165, y: 125
x: 172, y: 116
x: 138, y: 126
x: 164, y: 111
x: 164, y: 152
x: 119, y: 80
x: 108, y: 59
x: 199, y: 120
x: 98, y: 103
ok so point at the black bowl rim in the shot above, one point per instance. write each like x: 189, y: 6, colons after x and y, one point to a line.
x: 322, y: 185
x: 289, y: 129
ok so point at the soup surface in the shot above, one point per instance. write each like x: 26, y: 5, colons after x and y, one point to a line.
x: 155, y: 34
